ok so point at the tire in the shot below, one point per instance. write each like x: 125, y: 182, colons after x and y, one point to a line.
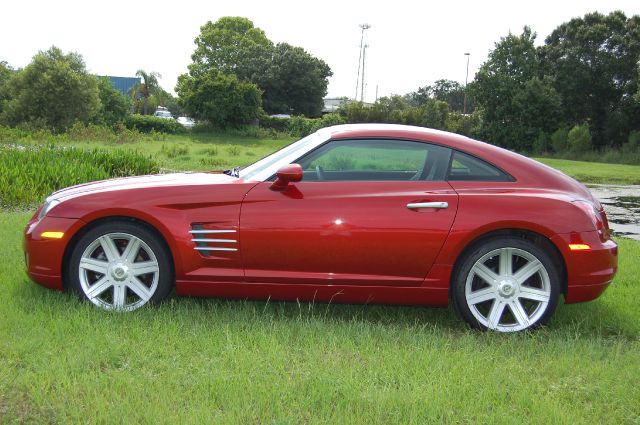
x: 506, y: 284
x: 120, y: 265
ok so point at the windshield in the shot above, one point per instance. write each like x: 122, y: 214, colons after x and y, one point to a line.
x: 268, y: 165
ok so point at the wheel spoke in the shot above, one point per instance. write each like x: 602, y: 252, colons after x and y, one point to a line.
x: 495, y: 314
x: 131, y: 251
x: 144, y: 267
x: 94, y: 265
x: 534, y: 294
x: 506, y: 262
x: 518, y: 312
x: 485, y: 274
x: 527, y: 271
x: 481, y: 295
x: 119, y: 295
x: 109, y: 248
x: 140, y: 289
x: 98, y: 288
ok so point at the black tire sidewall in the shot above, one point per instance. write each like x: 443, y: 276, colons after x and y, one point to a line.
x: 464, y: 267
x: 159, y: 248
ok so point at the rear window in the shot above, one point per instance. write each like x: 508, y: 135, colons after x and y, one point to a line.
x: 465, y: 167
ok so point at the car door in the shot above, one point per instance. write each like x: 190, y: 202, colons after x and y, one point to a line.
x: 367, y: 212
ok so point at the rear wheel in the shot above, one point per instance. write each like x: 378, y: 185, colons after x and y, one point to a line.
x: 506, y: 285
x: 120, y: 266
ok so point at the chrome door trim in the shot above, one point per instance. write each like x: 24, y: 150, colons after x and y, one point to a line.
x: 437, y: 205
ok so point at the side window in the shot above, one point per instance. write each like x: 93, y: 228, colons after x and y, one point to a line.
x: 375, y: 160
x: 465, y: 167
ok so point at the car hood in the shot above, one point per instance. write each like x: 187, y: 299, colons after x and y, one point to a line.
x: 142, y: 182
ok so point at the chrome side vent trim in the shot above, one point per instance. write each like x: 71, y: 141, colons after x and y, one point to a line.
x: 206, y: 244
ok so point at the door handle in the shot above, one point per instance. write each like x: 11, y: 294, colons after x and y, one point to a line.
x: 417, y: 205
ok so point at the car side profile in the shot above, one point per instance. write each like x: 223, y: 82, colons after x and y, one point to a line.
x: 366, y: 213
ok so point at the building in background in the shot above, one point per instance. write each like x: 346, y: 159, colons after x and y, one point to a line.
x: 123, y: 84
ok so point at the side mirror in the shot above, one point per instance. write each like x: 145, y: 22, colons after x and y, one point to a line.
x: 287, y: 174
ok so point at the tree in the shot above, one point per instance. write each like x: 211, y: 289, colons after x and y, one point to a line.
x: 232, y: 45
x: 295, y: 82
x: 145, y: 89
x: 114, y: 106
x: 517, y: 104
x: 292, y: 80
x: 6, y: 73
x: 220, y: 99
x: 53, y: 91
x: 593, y: 61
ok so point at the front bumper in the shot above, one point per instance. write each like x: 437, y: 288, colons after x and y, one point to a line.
x: 589, y: 272
x: 43, y: 256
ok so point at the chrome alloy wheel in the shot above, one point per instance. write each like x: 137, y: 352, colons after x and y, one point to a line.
x: 118, y: 271
x: 508, y: 290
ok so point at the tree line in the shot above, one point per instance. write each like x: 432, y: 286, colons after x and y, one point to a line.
x: 576, y: 92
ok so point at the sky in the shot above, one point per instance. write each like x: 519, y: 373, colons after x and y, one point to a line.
x: 411, y: 43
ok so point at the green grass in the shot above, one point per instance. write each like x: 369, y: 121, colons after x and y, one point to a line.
x: 199, y: 152
x: 596, y: 172
x: 219, y: 361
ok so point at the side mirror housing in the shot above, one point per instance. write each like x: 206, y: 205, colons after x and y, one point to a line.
x: 287, y: 174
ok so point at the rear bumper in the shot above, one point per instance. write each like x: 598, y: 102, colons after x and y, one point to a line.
x: 589, y: 272
x: 43, y: 256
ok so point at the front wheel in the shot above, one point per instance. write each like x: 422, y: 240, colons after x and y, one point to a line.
x: 121, y: 266
x: 506, y: 285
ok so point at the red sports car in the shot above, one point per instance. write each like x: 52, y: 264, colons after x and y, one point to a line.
x: 356, y: 213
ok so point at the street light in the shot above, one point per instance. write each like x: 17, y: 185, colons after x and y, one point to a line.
x: 364, y: 27
x: 466, y: 79
x: 364, y: 55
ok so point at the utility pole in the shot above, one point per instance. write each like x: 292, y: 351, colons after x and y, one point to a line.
x: 364, y: 55
x: 466, y: 79
x: 364, y: 27
x: 376, y: 92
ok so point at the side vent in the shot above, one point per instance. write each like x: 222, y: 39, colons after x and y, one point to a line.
x: 212, y: 240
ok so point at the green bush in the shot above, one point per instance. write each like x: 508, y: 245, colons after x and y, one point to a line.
x: 579, y: 139
x: 633, y: 142
x: 29, y: 174
x: 149, y: 123
x: 541, y: 143
x: 560, y: 140
x: 277, y: 124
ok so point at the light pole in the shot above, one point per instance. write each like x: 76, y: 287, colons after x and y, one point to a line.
x: 364, y: 27
x: 364, y: 56
x: 466, y: 79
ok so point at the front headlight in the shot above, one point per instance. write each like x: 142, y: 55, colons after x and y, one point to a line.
x: 47, y: 207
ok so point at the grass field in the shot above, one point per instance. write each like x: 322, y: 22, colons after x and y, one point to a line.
x: 200, y: 151
x: 596, y: 172
x: 219, y: 361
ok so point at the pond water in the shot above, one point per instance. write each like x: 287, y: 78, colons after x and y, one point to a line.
x: 622, y: 205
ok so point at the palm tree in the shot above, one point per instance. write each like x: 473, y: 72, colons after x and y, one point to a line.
x: 146, y: 88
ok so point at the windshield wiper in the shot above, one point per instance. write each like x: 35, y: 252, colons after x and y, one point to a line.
x: 233, y: 172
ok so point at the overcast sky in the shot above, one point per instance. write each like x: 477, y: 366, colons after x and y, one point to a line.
x: 411, y: 43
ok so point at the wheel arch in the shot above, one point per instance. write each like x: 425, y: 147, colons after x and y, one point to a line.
x: 536, y: 238
x: 101, y: 220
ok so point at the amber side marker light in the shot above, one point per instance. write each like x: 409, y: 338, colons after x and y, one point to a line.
x: 579, y: 246
x: 52, y: 235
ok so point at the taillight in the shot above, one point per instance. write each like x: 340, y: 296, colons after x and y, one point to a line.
x: 598, y: 218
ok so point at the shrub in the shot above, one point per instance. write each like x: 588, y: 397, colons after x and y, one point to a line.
x: 541, y: 143
x: 31, y: 173
x: 277, y: 124
x: 579, y: 139
x: 633, y: 142
x: 559, y: 140
x: 149, y: 123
